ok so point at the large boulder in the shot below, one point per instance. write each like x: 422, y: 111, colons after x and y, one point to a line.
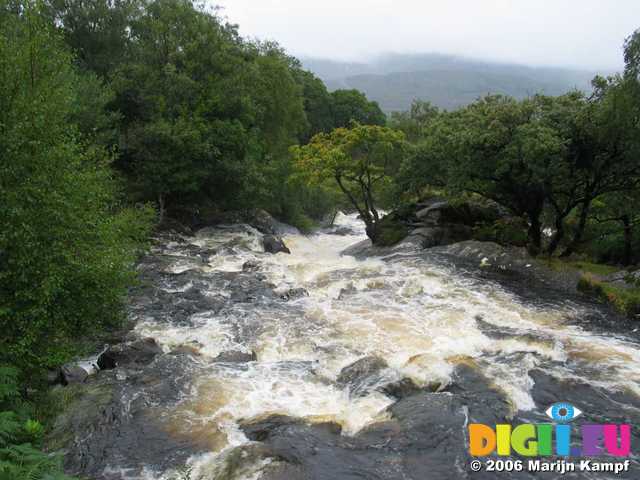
x: 263, y: 221
x: 273, y: 244
x: 436, y: 221
x: 424, y: 436
x: 139, y: 352
x: 487, y: 254
x: 111, y: 419
x: 73, y: 373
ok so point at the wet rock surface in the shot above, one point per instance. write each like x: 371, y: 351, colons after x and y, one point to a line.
x: 425, y: 437
x: 235, y: 356
x: 238, y: 335
x: 108, y: 425
x: 139, y: 352
x: 360, y: 371
x: 71, y: 374
x: 273, y: 244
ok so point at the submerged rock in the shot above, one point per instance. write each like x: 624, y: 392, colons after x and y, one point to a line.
x: 236, y: 356
x: 295, y: 293
x: 250, y: 266
x: 360, y: 370
x: 273, y: 244
x: 400, y: 389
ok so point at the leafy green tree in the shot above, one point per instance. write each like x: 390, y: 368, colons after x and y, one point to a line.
x: 317, y: 104
x: 414, y: 122
x: 632, y: 55
x: 66, y: 244
x: 186, y: 110
x: 501, y: 150
x: 353, y: 106
x: 618, y: 214
x: 360, y: 160
x: 603, y: 147
x: 96, y: 30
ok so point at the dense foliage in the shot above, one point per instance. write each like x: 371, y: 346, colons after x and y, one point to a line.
x: 360, y: 161
x: 109, y: 108
x: 206, y: 117
x: 569, y: 166
x: 67, y: 243
x: 21, y: 437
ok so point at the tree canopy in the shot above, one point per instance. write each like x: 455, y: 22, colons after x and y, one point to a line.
x: 360, y: 160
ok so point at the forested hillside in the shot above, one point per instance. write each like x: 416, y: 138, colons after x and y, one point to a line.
x: 395, y: 80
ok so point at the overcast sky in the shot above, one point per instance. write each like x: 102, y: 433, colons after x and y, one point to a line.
x: 577, y: 33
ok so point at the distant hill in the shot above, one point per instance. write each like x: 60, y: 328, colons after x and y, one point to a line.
x: 394, y: 80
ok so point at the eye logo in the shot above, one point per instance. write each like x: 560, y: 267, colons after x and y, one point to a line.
x: 530, y: 440
x: 563, y: 412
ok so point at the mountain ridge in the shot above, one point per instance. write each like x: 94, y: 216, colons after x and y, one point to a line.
x: 449, y: 82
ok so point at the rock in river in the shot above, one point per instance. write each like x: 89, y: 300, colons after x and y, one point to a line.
x: 140, y: 352
x: 273, y: 244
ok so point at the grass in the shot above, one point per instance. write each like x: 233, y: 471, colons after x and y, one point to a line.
x: 625, y: 300
x: 597, y: 269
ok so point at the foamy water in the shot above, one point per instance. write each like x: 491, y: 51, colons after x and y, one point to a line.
x: 418, y: 316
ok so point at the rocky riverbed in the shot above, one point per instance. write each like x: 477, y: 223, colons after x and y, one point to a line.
x: 316, y: 364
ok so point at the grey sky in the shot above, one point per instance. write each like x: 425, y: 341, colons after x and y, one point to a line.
x: 577, y: 33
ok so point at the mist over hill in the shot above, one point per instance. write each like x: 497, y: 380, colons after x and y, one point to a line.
x: 395, y: 80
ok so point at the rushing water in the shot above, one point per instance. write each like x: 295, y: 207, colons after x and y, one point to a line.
x: 422, y: 316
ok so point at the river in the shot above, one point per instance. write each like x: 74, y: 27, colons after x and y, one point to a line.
x: 415, y: 316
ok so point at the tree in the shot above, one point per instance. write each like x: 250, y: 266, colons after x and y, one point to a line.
x: 632, y: 55
x: 501, y: 150
x: 352, y: 106
x: 188, y: 118
x: 96, y: 30
x: 414, y: 122
x: 360, y: 160
x: 620, y: 210
x: 604, y: 147
x: 67, y: 244
x: 317, y: 104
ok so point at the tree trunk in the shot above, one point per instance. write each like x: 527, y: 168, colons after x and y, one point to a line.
x: 534, y: 235
x: 579, y: 232
x: 628, y: 239
x: 372, y: 231
x: 161, y: 209
x: 557, y: 237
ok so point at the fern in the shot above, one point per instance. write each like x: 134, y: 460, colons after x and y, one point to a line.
x: 20, y: 459
x: 8, y: 384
